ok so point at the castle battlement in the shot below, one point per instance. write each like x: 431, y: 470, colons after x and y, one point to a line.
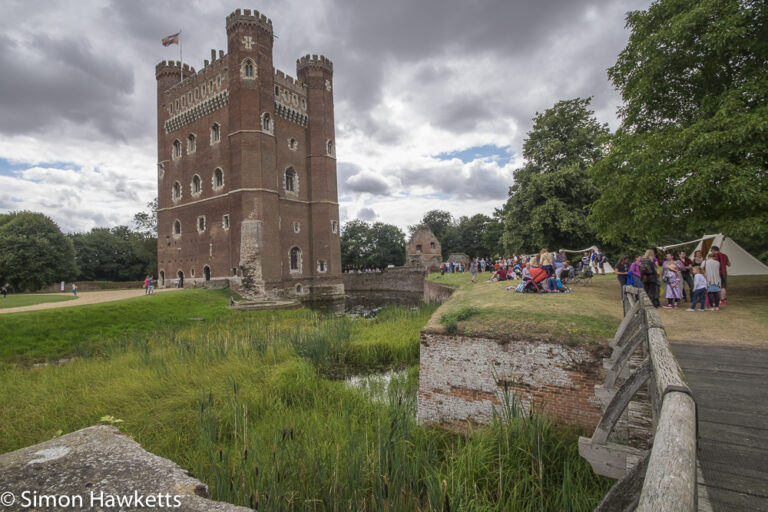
x: 314, y: 61
x: 173, y: 66
x: 245, y: 17
x: 290, y: 83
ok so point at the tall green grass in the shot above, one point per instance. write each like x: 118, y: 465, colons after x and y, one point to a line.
x: 245, y: 403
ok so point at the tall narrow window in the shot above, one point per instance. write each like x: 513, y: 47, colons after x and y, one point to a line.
x: 177, y: 148
x: 248, y: 69
x: 176, y: 191
x: 177, y: 228
x: 196, y: 184
x: 218, y: 178
x: 215, y: 133
x: 295, y: 257
x: 191, y: 143
x: 201, y: 223
x: 329, y: 147
x: 225, y: 221
x: 291, y: 181
x: 266, y: 122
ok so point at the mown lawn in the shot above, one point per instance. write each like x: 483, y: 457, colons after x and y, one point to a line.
x: 590, y: 314
x: 30, y: 299
x: 57, y: 333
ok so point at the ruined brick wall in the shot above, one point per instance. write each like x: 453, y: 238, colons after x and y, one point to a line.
x: 397, y: 279
x: 423, y: 250
x: 462, y: 378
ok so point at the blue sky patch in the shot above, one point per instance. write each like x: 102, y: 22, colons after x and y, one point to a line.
x: 489, y: 151
x: 9, y: 168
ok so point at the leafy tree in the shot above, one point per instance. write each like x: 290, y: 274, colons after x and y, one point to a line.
x: 116, y: 254
x: 34, y: 252
x: 387, y: 245
x: 552, y: 193
x: 492, y: 236
x: 379, y: 245
x: 692, y: 151
x: 471, y: 235
x: 439, y: 221
x: 146, y: 222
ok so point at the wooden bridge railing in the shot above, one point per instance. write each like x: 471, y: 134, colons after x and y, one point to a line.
x: 664, y: 477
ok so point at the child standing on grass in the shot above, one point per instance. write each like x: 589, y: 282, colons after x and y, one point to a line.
x: 699, y: 289
x: 673, y: 292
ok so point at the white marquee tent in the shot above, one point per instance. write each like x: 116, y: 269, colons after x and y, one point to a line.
x: 742, y: 263
x: 606, y: 266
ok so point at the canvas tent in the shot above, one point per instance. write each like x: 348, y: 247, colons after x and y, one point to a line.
x: 742, y: 263
x: 606, y: 266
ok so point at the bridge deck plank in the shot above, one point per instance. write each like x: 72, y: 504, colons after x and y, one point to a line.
x: 728, y: 384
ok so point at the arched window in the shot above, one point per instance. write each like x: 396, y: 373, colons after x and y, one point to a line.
x: 295, y: 259
x: 201, y: 223
x: 291, y: 180
x: 177, y: 228
x: 197, y: 186
x: 177, y: 148
x: 215, y: 133
x: 329, y: 147
x: 176, y: 195
x: 266, y: 122
x: 191, y: 143
x: 292, y: 144
x: 248, y: 69
x: 218, y: 178
x: 207, y: 273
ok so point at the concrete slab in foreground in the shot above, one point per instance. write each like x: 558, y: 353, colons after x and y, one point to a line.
x: 99, y: 468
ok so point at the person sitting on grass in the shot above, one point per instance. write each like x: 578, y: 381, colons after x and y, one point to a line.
x: 499, y: 275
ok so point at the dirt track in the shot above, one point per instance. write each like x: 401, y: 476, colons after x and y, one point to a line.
x: 83, y: 299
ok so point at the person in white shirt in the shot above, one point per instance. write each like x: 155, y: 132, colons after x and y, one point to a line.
x: 699, y: 289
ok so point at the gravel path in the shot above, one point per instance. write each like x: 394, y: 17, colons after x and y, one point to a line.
x: 85, y: 298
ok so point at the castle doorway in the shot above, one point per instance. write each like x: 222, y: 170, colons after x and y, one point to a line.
x: 180, y: 279
x: 207, y: 272
x: 162, y: 279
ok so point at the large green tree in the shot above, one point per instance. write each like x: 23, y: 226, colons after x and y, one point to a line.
x: 116, y: 254
x: 550, y: 199
x: 692, y: 151
x: 34, y: 252
x: 378, y: 245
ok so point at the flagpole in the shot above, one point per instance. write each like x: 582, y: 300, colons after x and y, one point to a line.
x: 181, y: 59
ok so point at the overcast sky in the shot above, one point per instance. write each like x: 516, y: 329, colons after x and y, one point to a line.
x: 433, y: 97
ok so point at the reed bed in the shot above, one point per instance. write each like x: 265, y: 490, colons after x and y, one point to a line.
x: 250, y: 405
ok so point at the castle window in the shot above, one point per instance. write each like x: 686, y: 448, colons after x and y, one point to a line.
x: 170, y: 109
x: 215, y: 133
x: 322, y: 266
x: 176, y: 105
x: 177, y: 148
x: 191, y: 143
x: 303, y: 103
x: 418, y: 248
x: 431, y: 245
x: 292, y: 144
x: 225, y: 221
x: 296, y: 227
x: 177, y: 229
x: 248, y: 69
x: 197, y: 94
x: 334, y: 226
x: 218, y: 81
x: 183, y: 101
x: 291, y: 181
x: 329, y: 147
x: 295, y: 100
x: 197, y: 184
x: 295, y: 260
x: 201, y: 223
x: 277, y: 91
x: 299, y: 289
x: 189, y: 97
x: 266, y: 122
x: 218, y: 178
x: 176, y: 194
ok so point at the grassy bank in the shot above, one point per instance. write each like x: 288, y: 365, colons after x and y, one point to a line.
x: 588, y: 315
x: 28, y: 299
x: 56, y: 333
x: 244, y: 403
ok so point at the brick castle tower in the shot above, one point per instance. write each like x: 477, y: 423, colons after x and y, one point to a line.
x: 247, y: 171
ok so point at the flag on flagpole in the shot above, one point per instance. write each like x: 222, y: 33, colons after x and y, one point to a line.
x: 172, y: 39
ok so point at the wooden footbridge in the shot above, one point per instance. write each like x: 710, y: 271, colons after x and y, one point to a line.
x: 695, y: 437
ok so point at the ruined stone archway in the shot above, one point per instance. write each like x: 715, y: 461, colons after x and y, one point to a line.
x: 207, y: 273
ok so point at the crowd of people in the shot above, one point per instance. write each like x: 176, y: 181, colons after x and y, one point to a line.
x: 705, y: 278
x: 366, y: 270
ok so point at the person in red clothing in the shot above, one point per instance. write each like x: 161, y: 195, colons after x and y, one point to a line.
x: 724, y: 262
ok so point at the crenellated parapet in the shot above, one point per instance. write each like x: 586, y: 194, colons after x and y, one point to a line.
x: 314, y: 62
x: 246, y: 17
x: 173, y: 67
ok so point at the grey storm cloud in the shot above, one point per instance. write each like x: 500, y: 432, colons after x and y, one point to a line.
x: 366, y: 214
x: 484, y: 181
x: 367, y: 182
x: 46, y: 80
